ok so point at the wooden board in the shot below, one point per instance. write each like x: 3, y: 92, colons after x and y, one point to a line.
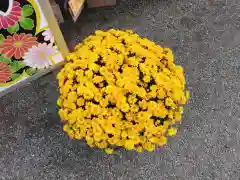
x: 31, y: 42
x: 100, y: 3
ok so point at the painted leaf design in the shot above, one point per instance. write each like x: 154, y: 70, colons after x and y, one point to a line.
x: 16, y: 65
x: 5, y: 60
x: 13, y: 29
x: 26, y: 23
x: 31, y: 71
x: 15, y: 76
x: 1, y: 38
x: 27, y: 10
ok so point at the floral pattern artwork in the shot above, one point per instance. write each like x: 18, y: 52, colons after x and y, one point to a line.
x: 38, y: 56
x: 26, y: 43
x: 48, y: 36
x: 17, y: 45
x: 25, y: 22
x: 12, y: 17
x: 5, y: 72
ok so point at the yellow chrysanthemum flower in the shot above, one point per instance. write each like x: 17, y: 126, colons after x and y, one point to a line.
x: 172, y: 132
x: 109, y: 151
x: 118, y: 89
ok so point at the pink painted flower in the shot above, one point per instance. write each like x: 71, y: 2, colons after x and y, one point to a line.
x: 11, y: 18
x: 40, y: 56
x: 5, y: 72
x: 17, y: 45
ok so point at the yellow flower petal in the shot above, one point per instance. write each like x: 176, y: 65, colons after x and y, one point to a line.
x: 109, y: 151
x: 172, y: 131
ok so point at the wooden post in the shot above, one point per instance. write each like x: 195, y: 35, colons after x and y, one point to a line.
x: 53, y: 25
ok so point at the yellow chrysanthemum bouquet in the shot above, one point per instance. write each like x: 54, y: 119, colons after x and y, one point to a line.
x: 120, y: 90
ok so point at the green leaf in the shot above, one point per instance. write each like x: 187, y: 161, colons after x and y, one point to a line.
x: 2, y: 38
x: 26, y: 23
x: 15, y: 76
x: 13, y: 29
x: 27, y: 10
x: 31, y: 71
x: 5, y: 60
x: 16, y: 65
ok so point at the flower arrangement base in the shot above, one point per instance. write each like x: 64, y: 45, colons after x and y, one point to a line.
x: 120, y: 90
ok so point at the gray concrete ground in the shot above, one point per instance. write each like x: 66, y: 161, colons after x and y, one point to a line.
x: 205, y: 36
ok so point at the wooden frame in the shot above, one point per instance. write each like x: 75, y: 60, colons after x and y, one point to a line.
x: 48, y: 13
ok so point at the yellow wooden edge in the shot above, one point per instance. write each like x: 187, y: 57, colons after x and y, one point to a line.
x: 43, y: 29
x: 51, y: 58
x: 38, y: 16
x: 53, y: 25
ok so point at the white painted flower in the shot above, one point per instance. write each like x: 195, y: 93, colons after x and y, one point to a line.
x: 39, y: 56
x: 48, y: 36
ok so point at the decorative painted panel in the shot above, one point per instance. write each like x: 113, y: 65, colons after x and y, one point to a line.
x: 27, y: 44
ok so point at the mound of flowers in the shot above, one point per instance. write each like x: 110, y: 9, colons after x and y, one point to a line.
x: 120, y: 90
